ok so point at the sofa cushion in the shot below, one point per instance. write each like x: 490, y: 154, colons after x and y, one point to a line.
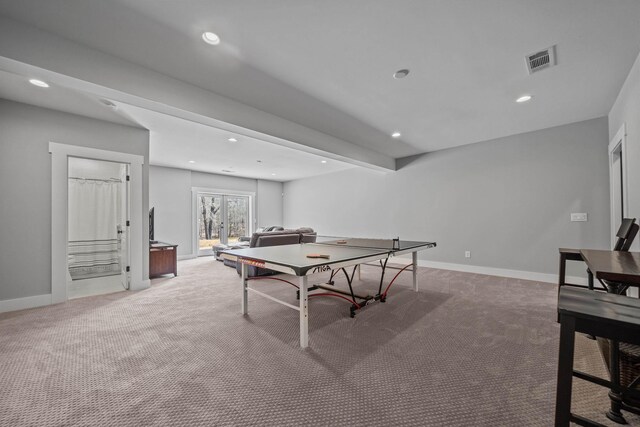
x: 307, y: 235
x: 256, y: 236
x: 275, y: 239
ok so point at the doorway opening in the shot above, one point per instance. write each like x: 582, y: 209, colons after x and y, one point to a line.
x: 60, y: 154
x: 220, y: 218
x: 618, y: 186
x: 98, y: 231
x: 618, y: 181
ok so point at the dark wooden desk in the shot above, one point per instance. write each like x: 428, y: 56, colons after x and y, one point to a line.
x: 616, y: 271
x: 604, y: 315
x: 163, y: 259
x: 614, y: 266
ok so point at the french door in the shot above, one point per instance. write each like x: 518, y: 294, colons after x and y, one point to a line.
x: 221, y: 218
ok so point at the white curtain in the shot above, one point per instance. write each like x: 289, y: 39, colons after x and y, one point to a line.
x: 94, y: 209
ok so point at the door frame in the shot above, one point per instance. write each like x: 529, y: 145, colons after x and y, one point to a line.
x: 221, y: 192
x: 618, y: 143
x: 60, y: 154
x: 125, y: 275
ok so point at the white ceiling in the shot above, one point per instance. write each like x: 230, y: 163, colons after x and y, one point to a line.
x: 17, y: 88
x: 328, y: 65
x: 174, y: 142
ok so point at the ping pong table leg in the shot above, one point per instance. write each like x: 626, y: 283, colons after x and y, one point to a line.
x: 245, y: 292
x: 414, y: 258
x: 304, y: 312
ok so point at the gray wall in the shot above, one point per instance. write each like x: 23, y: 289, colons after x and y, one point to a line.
x: 170, y: 195
x: 626, y: 110
x: 25, y: 186
x: 269, y: 203
x: 508, y: 200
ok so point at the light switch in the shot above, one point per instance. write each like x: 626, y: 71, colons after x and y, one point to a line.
x: 579, y: 217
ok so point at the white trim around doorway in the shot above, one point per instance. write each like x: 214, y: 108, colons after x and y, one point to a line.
x: 60, y: 154
x: 618, y: 143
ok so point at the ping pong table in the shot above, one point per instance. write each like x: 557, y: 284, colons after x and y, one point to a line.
x: 332, y: 255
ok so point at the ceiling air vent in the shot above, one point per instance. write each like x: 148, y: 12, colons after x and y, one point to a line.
x: 541, y: 60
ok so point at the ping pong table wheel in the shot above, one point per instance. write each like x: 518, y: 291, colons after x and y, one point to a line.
x: 298, y: 294
x: 352, y: 312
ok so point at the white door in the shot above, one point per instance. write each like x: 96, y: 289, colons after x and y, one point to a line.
x: 124, y: 227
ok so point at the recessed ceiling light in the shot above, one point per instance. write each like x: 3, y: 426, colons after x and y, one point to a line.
x: 323, y: 161
x: 211, y: 38
x: 524, y: 98
x: 192, y: 161
x: 273, y: 174
x: 38, y: 83
x: 396, y: 134
x: 232, y: 140
x: 401, y: 74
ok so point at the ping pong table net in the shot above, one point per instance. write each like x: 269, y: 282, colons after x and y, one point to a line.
x: 359, y: 242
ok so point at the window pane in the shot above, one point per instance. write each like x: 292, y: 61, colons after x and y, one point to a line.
x: 237, y: 217
x: 209, y: 220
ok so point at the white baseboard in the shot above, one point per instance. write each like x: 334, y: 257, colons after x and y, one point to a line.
x: 24, y: 303
x: 143, y: 284
x: 500, y: 272
x: 187, y: 256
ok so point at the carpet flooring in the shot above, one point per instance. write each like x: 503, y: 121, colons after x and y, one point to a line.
x: 467, y: 350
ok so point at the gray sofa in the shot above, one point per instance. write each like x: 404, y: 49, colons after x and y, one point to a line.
x: 243, y: 242
x: 276, y: 238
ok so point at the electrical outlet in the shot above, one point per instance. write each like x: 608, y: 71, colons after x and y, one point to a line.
x: 578, y: 217
x: 467, y: 254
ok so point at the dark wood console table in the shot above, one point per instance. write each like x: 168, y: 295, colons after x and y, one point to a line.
x: 614, y: 266
x: 163, y: 259
x: 604, y: 315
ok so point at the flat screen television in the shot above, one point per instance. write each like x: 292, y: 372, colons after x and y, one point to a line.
x: 151, y: 225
